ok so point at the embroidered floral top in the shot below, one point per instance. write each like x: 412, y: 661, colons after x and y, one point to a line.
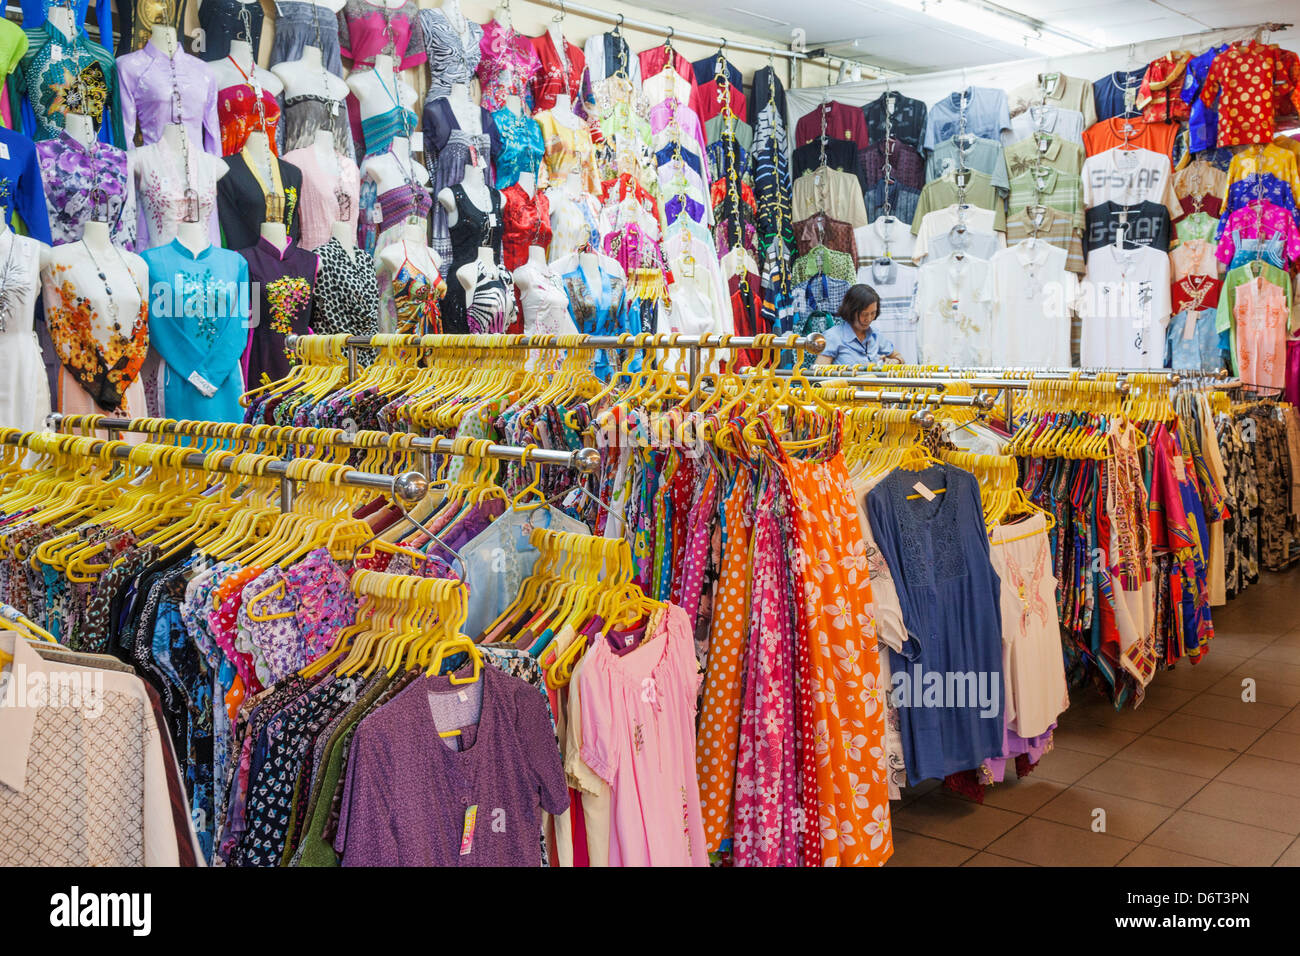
x: 100, y: 347
x: 508, y: 62
x: 83, y: 183
x: 56, y: 76
x: 285, y: 278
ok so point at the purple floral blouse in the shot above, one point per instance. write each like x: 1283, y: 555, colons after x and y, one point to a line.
x: 87, y: 183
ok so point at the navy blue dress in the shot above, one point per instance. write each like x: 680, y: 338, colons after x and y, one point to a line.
x: 938, y: 555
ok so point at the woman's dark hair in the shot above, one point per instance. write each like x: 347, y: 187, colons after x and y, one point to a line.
x: 858, y: 297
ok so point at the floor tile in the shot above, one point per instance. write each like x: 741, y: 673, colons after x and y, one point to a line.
x: 1267, y: 690
x: 1090, y: 738
x: 1046, y: 843
x: 988, y: 859
x: 1065, y: 766
x: 1125, y: 818
x: 1164, y: 754
x: 1290, y: 723
x: 1237, y: 844
x: 1282, y: 653
x: 1148, y: 784
x: 1260, y: 773
x: 955, y: 820
x: 1260, y: 808
x: 1148, y: 855
x: 1235, y: 710
x: 912, y: 849
x: 1286, y: 673
x: 1207, y: 732
x: 1291, y: 857
x: 1161, y: 696
x: 1022, y: 795
x: 1277, y: 745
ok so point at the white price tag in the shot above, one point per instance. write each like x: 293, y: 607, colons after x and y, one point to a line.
x: 4, y: 150
x: 923, y: 491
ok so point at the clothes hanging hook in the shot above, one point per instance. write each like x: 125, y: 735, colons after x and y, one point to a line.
x: 559, y: 17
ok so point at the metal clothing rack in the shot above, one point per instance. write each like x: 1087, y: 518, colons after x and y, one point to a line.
x: 691, y: 344
x: 409, y: 486
x: 585, y: 460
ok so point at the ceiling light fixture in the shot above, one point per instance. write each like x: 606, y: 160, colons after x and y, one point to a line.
x: 997, y: 23
x: 760, y: 16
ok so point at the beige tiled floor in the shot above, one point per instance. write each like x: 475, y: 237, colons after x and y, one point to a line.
x: 1194, y: 777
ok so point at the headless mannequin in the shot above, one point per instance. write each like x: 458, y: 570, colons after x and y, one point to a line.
x: 274, y: 231
x: 528, y: 183
x: 536, y: 264
x: 468, y: 114
x: 163, y: 36
x: 196, y: 235
x: 409, y: 249
x: 375, y: 89
x: 260, y: 157
x: 502, y: 17
x: 563, y: 112
x: 346, y: 234
x: 391, y: 169
x: 80, y: 127
x: 308, y: 76
x: 63, y: 20
x: 476, y: 189
x: 467, y: 275
x: 228, y: 73
x: 322, y: 146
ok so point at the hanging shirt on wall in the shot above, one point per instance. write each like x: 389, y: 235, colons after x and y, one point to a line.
x: 1055, y: 90
x: 1131, y: 132
x: 954, y: 303
x: 979, y: 110
x: 1051, y: 187
x: 1147, y: 224
x: 902, y: 117
x: 1242, y: 80
x: 1116, y: 94
x: 1129, y: 176
x: 842, y: 122
x: 1124, y: 302
x: 832, y: 192
x: 1033, y: 296
x: 1067, y: 124
x: 982, y: 155
x: 934, y: 239
x: 1158, y: 97
x: 897, y: 321
x: 885, y: 236
x: 1203, y: 121
x: 1049, y: 226
x: 943, y: 192
x: 1043, y: 149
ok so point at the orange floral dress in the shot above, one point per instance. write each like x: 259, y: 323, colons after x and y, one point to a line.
x: 841, y: 701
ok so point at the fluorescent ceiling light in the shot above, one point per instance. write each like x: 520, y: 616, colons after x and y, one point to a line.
x: 760, y: 16
x: 990, y: 22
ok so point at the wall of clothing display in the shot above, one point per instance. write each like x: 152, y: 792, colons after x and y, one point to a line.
x: 1109, y: 213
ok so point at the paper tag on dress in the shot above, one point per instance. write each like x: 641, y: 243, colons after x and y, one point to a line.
x: 467, y: 831
x: 464, y: 697
x: 4, y: 150
x: 1189, y: 326
x: 1180, y: 470
x: 923, y: 491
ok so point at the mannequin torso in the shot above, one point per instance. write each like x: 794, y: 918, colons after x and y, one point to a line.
x: 379, y: 90
x: 240, y: 69
x: 309, y: 77
x: 396, y: 167
x: 80, y: 127
x: 469, y: 115
x: 163, y: 36
x: 476, y: 189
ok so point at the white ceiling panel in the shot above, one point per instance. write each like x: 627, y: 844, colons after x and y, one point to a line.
x: 911, y: 42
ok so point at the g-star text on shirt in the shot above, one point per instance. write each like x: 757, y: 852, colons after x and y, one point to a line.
x: 75, y: 909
